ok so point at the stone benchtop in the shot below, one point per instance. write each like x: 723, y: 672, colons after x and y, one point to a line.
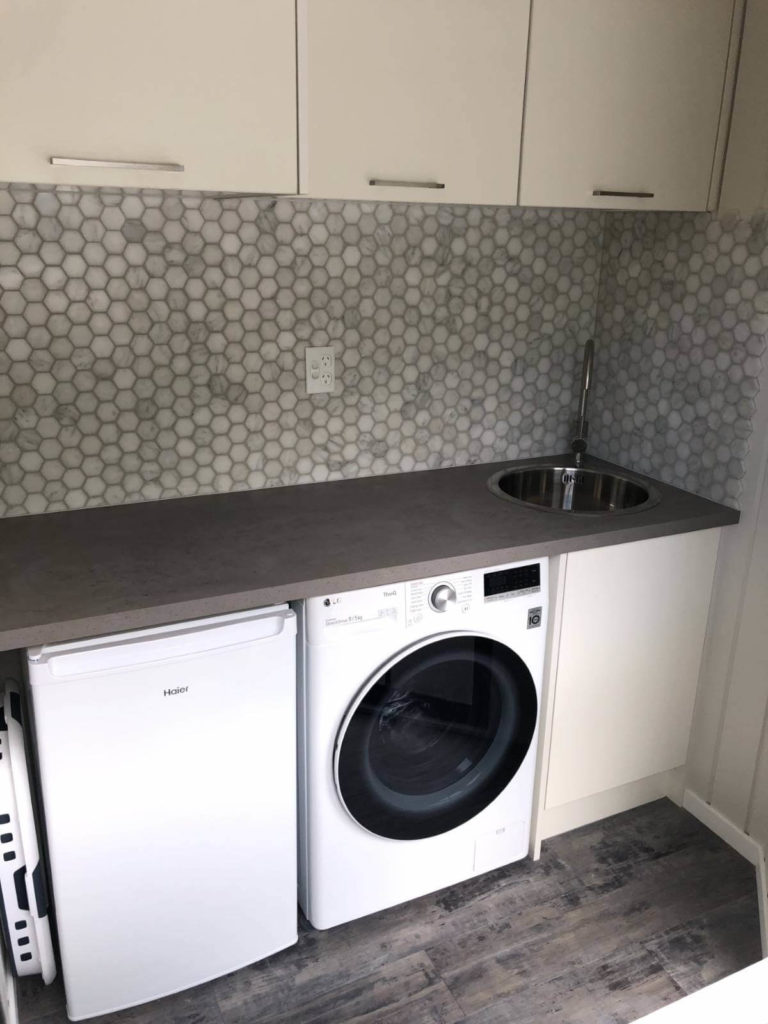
x: 67, y: 575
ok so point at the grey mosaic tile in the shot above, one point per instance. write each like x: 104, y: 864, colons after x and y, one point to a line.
x: 152, y: 344
x: 682, y: 331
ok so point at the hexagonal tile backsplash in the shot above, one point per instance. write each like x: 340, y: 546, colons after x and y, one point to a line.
x: 152, y: 344
x: 682, y: 326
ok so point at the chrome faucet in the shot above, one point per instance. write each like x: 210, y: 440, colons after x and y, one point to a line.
x: 579, y: 442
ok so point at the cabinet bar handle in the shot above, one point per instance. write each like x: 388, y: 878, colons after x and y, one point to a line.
x: 626, y: 195
x: 116, y: 165
x: 387, y: 183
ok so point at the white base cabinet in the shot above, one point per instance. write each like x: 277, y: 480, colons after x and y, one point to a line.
x: 150, y: 95
x: 626, y: 651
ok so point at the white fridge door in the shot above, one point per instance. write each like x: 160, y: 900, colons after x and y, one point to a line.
x: 167, y: 763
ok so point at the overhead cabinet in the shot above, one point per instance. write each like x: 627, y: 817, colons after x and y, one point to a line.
x: 147, y: 94
x: 415, y: 100
x: 623, y: 103
x: 745, y: 180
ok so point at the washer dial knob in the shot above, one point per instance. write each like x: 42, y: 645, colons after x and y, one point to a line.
x: 441, y: 596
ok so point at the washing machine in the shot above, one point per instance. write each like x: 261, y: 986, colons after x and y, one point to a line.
x: 418, y: 718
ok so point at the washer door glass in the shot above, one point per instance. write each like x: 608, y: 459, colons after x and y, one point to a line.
x: 436, y: 737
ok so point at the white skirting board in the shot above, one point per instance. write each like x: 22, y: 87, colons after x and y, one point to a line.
x: 744, y: 844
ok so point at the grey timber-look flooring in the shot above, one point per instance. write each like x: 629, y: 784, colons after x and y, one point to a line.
x: 614, y: 921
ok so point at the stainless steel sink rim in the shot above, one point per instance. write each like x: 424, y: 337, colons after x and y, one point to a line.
x: 652, y: 495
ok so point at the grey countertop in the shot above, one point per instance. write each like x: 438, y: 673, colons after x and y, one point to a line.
x: 67, y: 575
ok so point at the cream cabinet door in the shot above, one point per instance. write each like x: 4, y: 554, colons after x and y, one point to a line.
x: 745, y: 179
x: 205, y: 91
x: 623, y: 102
x: 633, y: 625
x: 427, y: 93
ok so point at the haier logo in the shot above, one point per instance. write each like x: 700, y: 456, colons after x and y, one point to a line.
x: 389, y: 593
x: 172, y: 693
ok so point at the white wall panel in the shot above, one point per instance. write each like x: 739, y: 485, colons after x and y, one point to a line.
x: 746, y: 708
x: 728, y: 761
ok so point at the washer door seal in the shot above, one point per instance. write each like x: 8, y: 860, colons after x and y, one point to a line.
x: 435, y: 736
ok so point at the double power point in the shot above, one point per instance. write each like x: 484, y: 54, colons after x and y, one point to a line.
x: 321, y: 370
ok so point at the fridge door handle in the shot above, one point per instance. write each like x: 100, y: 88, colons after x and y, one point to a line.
x: 188, y: 640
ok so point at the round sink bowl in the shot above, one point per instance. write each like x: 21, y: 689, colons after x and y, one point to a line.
x: 570, y: 489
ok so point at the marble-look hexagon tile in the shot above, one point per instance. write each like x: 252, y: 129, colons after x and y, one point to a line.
x: 152, y: 344
x: 682, y: 333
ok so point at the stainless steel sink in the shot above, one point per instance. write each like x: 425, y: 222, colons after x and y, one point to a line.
x: 572, y: 489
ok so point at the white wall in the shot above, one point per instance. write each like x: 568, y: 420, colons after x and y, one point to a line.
x: 728, y: 755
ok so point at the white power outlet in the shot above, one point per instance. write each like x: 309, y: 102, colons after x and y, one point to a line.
x: 321, y: 370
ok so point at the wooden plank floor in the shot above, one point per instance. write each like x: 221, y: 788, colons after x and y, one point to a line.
x: 615, y: 920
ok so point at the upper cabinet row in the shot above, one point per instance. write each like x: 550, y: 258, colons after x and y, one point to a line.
x: 601, y: 103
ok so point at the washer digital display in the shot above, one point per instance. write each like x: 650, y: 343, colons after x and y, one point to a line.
x: 522, y: 579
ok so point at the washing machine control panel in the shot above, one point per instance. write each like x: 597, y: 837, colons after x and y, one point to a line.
x: 455, y: 596
x: 444, y: 601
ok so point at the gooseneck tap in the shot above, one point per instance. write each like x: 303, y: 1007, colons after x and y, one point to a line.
x: 579, y: 442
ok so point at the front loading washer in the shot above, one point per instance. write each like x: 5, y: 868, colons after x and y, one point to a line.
x: 418, y: 716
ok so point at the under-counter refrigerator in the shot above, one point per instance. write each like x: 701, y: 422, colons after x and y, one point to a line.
x: 167, y: 772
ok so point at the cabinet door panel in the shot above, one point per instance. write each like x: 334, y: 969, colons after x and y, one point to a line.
x: 624, y: 96
x: 414, y: 90
x: 633, y: 627
x: 745, y: 178
x: 211, y: 87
